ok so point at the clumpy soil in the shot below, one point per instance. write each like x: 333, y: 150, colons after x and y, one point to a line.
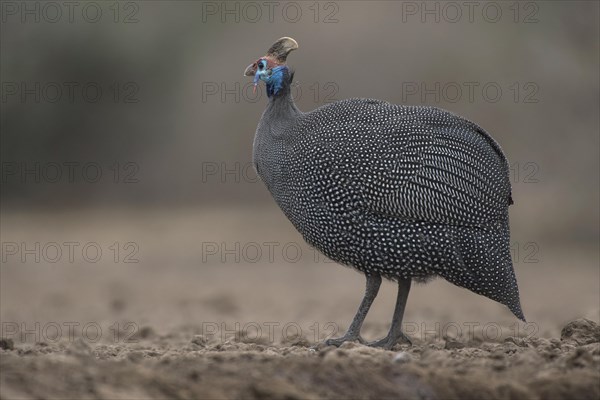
x: 160, y: 367
x: 182, y: 323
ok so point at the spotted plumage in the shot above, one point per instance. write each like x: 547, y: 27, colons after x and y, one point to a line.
x: 393, y: 191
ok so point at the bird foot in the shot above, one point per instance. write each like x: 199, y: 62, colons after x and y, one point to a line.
x: 337, y: 342
x: 388, y: 342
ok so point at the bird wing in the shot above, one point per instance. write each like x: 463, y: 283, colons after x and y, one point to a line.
x: 418, y: 163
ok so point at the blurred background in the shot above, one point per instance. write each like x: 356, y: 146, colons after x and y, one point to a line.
x: 126, y: 133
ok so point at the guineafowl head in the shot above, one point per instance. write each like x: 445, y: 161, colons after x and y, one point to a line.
x: 272, y: 68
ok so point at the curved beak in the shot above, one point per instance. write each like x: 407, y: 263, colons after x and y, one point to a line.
x: 250, y: 70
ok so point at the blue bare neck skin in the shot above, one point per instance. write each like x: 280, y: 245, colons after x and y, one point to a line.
x: 278, y: 82
x: 281, y: 103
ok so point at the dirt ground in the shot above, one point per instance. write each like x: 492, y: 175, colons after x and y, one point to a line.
x: 202, y: 314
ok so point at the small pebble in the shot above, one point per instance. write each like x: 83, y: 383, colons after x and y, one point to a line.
x: 453, y: 344
x: 402, y: 357
x: 199, y: 340
x: 7, y: 344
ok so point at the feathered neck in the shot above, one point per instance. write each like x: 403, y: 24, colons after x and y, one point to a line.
x: 281, y: 103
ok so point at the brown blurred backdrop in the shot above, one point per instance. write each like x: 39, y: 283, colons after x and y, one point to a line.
x: 129, y: 125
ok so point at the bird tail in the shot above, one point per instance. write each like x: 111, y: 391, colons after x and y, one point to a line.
x: 487, y: 265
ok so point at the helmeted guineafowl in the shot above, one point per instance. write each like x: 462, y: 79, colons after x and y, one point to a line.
x: 394, y: 191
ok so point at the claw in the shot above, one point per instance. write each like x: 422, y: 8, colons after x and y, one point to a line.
x: 337, y: 342
x: 387, y: 342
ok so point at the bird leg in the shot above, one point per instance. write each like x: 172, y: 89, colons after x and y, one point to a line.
x: 353, y: 333
x: 395, y: 333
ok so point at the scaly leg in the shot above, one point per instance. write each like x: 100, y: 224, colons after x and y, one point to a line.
x: 353, y: 333
x: 395, y: 332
